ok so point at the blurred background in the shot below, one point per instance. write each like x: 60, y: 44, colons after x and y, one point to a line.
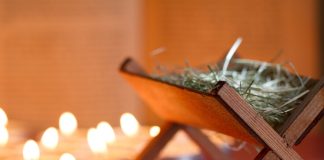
x: 63, y: 55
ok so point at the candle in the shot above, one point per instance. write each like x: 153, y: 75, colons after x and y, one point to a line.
x: 68, y: 123
x: 50, y: 138
x: 31, y: 150
x: 3, y: 118
x: 96, y: 142
x: 4, y: 136
x: 67, y: 156
x: 129, y: 124
x: 154, y: 131
x: 106, y: 131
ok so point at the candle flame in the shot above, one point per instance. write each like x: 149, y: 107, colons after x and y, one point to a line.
x: 50, y: 138
x: 3, y: 118
x: 129, y: 124
x: 67, y: 156
x: 4, y: 136
x: 106, y: 131
x: 96, y: 142
x: 154, y: 131
x: 68, y: 123
x: 31, y: 150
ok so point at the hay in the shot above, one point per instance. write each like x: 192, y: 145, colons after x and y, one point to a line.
x: 270, y: 88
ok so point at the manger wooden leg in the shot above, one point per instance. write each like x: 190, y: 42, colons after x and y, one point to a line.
x: 153, y: 148
x: 301, y: 125
x: 205, y: 144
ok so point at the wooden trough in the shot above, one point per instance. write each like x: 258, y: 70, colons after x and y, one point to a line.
x: 223, y: 110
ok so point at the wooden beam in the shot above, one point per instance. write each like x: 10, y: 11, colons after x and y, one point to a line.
x: 256, y: 123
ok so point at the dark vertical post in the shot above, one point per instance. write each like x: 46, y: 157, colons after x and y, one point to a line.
x: 320, y: 10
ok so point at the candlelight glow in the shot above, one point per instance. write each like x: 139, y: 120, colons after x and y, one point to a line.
x: 50, y: 138
x: 3, y: 118
x: 96, y: 142
x: 129, y: 124
x: 106, y: 131
x: 31, y: 150
x: 4, y: 136
x: 154, y: 131
x: 68, y: 123
x: 67, y: 156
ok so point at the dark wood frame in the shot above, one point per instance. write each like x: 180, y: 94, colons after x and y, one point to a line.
x: 224, y: 105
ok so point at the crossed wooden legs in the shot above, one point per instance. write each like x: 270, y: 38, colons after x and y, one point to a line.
x: 168, y: 130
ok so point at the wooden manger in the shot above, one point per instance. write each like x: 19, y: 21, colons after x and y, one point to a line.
x: 224, y: 111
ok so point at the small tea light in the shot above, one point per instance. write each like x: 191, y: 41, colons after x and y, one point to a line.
x: 154, y: 131
x: 96, y: 142
x: 50, y: 138
x: 3, y: 118
x: 129, y: 124
x: 106, y: 131
x: 67, y: 156
x: 31, y: 150
x: 4, y: 136
x: 68, y: 123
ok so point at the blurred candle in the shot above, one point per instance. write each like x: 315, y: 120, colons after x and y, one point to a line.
x: 67, y: 156
x: 68, y: 123
x: 4, y: 136
x: 106, y: 131
x: 154, y: 131
x: 31, y: 150
x: 96, y: 142
x: 50, y: 138
x: 129, y: 124
x: 3, y: 118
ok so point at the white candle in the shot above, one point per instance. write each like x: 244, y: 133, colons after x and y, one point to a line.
x: 31, y: 150
x: 68, y: 123
x: 129, y: 124
x: 96, y: 142
x: 154, y: 131
x: 3, y: 118
x: 67, y: 156
x: 4, y: 136
x: 106, y: 131
x: 50, y: 138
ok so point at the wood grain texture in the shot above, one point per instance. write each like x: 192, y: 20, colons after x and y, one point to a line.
x: 255, y: 121
x: 303, y: 123
x: 187, y: 107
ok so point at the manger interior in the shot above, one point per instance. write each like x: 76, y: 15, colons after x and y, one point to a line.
x: 272, y: 90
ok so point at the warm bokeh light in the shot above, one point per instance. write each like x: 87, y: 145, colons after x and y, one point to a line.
x: 129, y: 124
x: 68, y: 123
x: 154, y: 131
x: 106, y: 131
x: 67, y: 156
x: 4, y: 136
x: 50, y: 138
x: 3, y: 118
x: 96, y: 142
x: 31, y: 150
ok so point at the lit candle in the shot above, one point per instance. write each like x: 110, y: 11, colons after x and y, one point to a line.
x: 4, y: 136
x: 106, y: 131
x: 68, y: 123
x: 129, y: 125
x: 67, y: 156
x: 31, y: 150
x: 96, y: 142
x: 50, y: 138
x: 154, y: 131
x: 3, y: 118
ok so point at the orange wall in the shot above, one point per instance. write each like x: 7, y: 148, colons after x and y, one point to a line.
x: 202, y: 31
